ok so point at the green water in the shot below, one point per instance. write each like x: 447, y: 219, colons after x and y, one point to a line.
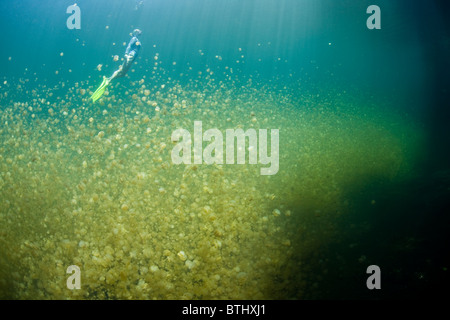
x: 95, y: 186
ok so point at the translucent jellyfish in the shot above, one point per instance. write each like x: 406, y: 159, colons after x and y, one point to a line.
x: 182, y: 255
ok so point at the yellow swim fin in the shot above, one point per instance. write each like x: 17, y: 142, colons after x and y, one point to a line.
x: 99, y: 92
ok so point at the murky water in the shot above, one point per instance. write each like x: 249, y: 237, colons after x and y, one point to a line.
x: 95, y: 185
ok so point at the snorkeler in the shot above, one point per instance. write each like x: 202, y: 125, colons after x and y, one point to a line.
x: 131, y: 54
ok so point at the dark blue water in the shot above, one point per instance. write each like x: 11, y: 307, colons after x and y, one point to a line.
x: 275, y: 38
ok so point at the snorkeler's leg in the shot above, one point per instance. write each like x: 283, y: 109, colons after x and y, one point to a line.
x: 116, y: 74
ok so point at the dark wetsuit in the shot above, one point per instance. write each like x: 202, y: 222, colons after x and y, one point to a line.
x: 131, y: 53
